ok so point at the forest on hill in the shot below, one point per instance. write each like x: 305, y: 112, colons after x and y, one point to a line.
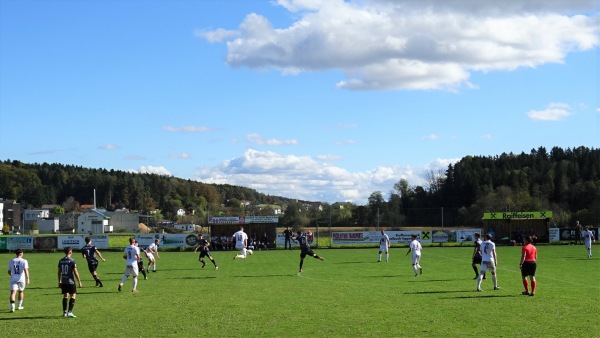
x: 565, y: 181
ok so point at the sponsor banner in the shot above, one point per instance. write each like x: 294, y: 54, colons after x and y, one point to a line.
x: 2, y: 243
x: 19, y: 242
x: 226, y: 220
x: 440, y: 236
x: 518, y: 215
x: 261, y: 219
x: 570, y: 234
x: 372, y: 237
x: 192, y: 239
x: 72, y: 241
x: 242, y: 220
x: 554, y: 234
x: 166, y: 240
x: 467, y: 235
x: 45, y: 243
x: 280, y: 240
x: 100, y: 241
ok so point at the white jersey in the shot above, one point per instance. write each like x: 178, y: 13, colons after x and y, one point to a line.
x: 152, y: 248
x: 384, y: 242
x: 130, y: 255
x: 587, y: 236
x: 415, y: 247
x: 17, y: 267
x: 487, y: 249
x: 241, y: 239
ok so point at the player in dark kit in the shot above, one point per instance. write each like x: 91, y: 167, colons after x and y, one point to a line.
x: 476, y: 254
x: 140, y: 261
x: 89, y: 252
x: 203, y: 245
x: 305, y: 249
x: 67, y: 272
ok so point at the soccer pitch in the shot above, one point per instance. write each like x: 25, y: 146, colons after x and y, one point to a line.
x: 348, y: 294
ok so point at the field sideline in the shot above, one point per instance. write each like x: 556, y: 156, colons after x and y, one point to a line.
x: 348, y: 294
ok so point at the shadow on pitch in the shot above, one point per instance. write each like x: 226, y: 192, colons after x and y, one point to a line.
x: 37, y: 317
x: 264, y: 276
x: 199, y: 277
x: 478, y: 295
x: 417, y: 280
x: 435, y: 292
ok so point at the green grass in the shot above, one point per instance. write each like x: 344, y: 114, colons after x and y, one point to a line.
x: 348, y: 294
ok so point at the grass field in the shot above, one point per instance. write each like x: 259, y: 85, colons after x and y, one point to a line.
x: 348, y: 294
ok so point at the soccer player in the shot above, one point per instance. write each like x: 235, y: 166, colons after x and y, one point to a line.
x: 89, y: 252
x: 18, y: 270
x: 528, y: 265
x: 305, y: 249
x: 150, y: 251
x: 132, y: 255
x: 203, y: 245
x: 416, y: 248
x: 476, y: 254
x: 67, y: 272
x: 489, y: 261
x: 140, y: 262
x: 241, y: 243
x: 588, y: 237
x: 384, y: 246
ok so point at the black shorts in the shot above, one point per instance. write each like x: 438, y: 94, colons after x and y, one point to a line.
x: 92, y: 265
x: 306, y: 252
x: 68, y: 288
x: 528, y: 269
x: 205, y: 254
x: 476, y: 259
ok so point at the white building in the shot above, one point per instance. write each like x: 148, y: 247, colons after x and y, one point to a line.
x: 187, y: 227
x: 92, y: 222
x: 48, y: 225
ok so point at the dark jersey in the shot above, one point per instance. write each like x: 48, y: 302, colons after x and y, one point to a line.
x: 477, y: 253
x: 66, y: 267
x: 202, y: 243
x: 303, y: 242
x: 89, y: 251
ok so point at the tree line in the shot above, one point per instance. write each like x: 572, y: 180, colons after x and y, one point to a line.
x: 566, y: 181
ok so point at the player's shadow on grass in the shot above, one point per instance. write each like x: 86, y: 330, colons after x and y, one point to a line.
x: 434, y: 292
x: 481, y: 296
x: 265, y: 276
x: 37, y: 317
x: 431, y: 280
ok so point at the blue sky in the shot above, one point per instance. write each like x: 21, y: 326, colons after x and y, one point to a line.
x: 315, y: 100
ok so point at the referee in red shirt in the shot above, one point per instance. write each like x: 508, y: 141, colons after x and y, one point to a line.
x: 528, y: 265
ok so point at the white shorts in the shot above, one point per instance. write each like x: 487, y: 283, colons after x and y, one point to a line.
x: 383, y: 248
x: 150, y: 256
x: 416, y: 259
x: 17, y: 286
x: 243, y: 252
x: 588, y: 245
x: 132, y: 270
x: 488, y: 266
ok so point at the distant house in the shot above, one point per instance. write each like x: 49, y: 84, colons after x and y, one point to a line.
x: 33, y: 215
x: 11, y: 214
x: 274, y: 207
x: 180, y: 212
x: 93, y: 222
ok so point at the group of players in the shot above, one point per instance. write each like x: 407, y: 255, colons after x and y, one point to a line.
x: 484, y: 254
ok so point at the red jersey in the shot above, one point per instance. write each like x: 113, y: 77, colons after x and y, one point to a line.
x: 530, y: 252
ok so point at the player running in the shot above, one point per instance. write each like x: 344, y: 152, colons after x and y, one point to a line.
x: 241, y: 243
x: 305, y: 249
x: 150, y: 251
x: 203, y: 245
x: 89, y: 252
x: 416, y: 248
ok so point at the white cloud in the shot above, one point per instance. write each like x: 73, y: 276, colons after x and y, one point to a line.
x: 108, y: 147
x: 554, y: 112
x: 308, y: 178
x: 428, y: 44
x: 256, y: 138
x: 431, y: 137
x: 486, y: 136
x: 160, y: 170
x: 187, y: 129
x: 182, y: 155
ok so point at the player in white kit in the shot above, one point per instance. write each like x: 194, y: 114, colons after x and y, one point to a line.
x: 489, y: 261
x: 588, y: 237
x: 241, y: 243
x: 384, y: 246
x: 18, y: 269
x: 132, y: 255
x: 150, y: 251
x: 416, y: 248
